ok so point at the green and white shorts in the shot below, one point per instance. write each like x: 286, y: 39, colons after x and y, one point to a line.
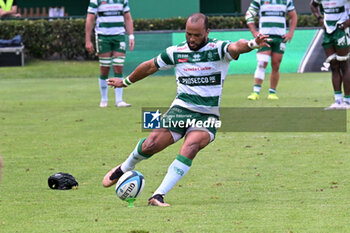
x: 276, y: 45
x: 109, y: 43
x: 339, y: 39
x: 180, y: 121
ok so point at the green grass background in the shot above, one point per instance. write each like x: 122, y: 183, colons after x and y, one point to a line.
x: 242, y: 182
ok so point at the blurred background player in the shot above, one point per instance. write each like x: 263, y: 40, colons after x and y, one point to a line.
x: 336, y: 46
x: 198, y: 56
x: 8, y: 8
x: 272, y: 22
x: 110, y: 41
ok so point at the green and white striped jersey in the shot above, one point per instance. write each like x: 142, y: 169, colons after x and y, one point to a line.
x: 335, y: 12
x: 110, y: 16
x: 272, y: 15
x: 199, y: 74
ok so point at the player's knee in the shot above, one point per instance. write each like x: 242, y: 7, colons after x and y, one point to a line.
x: 335, y: 66
x: 260, y: 71
x: 263, y: 60
x: 343, y: 62
x: 105, y: 61
x: 118, y: 61
x: 275, y: 67
x: 343, y: 65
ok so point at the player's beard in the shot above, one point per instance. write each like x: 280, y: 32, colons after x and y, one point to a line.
x: 198, y: 46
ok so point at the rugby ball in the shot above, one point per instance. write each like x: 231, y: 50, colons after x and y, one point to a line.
x: 130, y: 185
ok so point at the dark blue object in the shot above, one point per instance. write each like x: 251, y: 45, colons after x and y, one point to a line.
x: 14, y: 42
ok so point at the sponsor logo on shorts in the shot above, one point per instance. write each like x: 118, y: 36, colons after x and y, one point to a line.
x: 342, y: 41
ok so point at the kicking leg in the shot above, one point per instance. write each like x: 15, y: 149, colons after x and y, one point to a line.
x: 158, y: 140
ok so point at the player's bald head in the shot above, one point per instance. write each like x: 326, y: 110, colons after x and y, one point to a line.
x: 199, y: 18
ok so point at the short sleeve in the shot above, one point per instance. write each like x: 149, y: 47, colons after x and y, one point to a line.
x: 290, y: 6
x: 165, y: 60
x: 126, y: 7
x: 255, y: 4
x: 92, y: 8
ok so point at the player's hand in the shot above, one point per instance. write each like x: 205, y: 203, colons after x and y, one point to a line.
x: 261, y: 40
x: 344, y: 25
x: 255, y: 34
x: 115, y: 82
x: 131, y: 44
x: 287, y: 37
x: 321, y: 22
x: 89, y: 47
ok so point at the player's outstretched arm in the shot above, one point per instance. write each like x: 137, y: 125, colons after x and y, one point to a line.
x: 245, y: 46
x: 142, y: 71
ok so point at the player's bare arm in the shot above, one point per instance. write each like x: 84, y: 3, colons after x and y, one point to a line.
x: 316, y: 11
x: 90, y: 18
x: 244, y: 46
x: 293, y: 19
x: 130, y: 29
x: 12, y: 12
x: 142, y: 71
x: 249, y: 16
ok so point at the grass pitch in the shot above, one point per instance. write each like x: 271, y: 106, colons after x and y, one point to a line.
x: 242, y: 182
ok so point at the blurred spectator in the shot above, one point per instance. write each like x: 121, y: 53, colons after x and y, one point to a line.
x: 8, y: 8
x: 56, y: 12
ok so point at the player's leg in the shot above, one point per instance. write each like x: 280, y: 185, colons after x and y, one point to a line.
x: 194, y: 142
x: 276, y: 60
x: 118, y: 65
x: 343, y: 60
x: 105, y: 63
x: 263, y: 58
x: 104, y: 51
x: 158, y: 140
x: 336, y: 77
